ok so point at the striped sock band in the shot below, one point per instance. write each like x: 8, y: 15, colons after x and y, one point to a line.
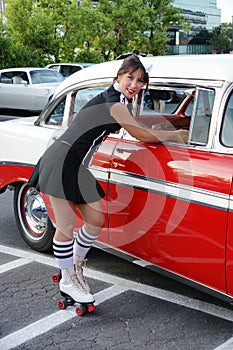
x: 83, y: 242
x: 63, y: 252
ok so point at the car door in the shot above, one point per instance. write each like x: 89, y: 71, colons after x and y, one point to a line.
x: 166, y: 204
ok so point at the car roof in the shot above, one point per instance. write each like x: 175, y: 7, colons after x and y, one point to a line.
x: 198, y: 67
x: 81, y: 64
x: 26, y: 69
x: 124, y: 55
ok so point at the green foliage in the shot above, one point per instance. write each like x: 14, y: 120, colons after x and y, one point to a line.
x: 221, y: 38
x: 43, y: 31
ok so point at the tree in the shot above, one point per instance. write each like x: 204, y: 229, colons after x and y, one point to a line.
x: 221, y: 37
x: 148, y: 21
x: 202, y: 38
x: 61, y: 31
x: 161, y: 15
x: 30, y: 29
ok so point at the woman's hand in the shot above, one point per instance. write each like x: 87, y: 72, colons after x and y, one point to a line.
x: 161, y: 126
x: 181, y: 135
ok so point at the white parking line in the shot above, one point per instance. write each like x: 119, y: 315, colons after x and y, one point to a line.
x: 226, y: 346
x: 13, y: 264
x: 119, y: 285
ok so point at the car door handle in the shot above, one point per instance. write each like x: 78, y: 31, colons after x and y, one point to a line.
x: 116, y: 165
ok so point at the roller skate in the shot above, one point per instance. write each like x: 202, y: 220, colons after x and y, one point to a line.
x: 73, y: 293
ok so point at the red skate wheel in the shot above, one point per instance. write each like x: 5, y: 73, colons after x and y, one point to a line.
x: 81, y: 310
x: 91, y: 308
x: 62, y: 304
x: 56, y: 278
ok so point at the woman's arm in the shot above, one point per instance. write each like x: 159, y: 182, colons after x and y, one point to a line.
x: 181, y: 122
x: 121, y: 114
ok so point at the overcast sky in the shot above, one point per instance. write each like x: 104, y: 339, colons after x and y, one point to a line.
x: 227, y: 10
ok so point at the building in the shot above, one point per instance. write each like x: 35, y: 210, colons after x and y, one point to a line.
x: 203, y: 14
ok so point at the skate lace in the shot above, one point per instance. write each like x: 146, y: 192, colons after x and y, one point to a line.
x: 79, y: 271
x: 80, y: 277
x: 77, y: 283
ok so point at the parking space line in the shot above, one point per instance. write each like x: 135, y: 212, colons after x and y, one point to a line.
x: 33, y: 256
x: 165, y: 295
x: 228, y: 345
x: 13, y: 264
x: 47, y: 323
x: 118, y: 285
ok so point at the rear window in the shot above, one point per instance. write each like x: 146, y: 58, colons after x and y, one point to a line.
x: 46, y: 76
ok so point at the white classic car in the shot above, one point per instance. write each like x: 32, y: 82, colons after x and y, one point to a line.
x: 168, y: 206
x: 27, y: 89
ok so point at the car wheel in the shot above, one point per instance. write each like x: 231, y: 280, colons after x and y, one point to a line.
x: 32, y: 218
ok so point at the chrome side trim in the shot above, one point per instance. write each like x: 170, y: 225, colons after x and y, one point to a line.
x: 167, y: 273
x: 183, y: 192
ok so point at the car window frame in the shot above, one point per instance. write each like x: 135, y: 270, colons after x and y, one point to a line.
x: 225, y: 122
x: 194, y: 125
x: 69, y: 97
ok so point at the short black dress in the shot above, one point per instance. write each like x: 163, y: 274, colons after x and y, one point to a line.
x: 63, y: 171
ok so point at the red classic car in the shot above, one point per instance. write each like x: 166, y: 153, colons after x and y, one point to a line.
x: 168, y: 206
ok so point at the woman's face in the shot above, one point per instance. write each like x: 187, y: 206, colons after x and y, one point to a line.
x: 131, y: 83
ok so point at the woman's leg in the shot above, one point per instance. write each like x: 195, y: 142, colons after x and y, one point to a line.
x: 93, y: 217
x: 65, y: 217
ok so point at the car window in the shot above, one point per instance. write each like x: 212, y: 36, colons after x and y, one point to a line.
x: 161, y: 100
x: 158, y: 104
x: 45, y: 76
x: 201, y: 116
x: 189, y: 108
x: 57, y: 114
x: 68, y: 70
x: 6, y: 78
x: 14, y: 77
x: 81, y: 97
x: 227, y: 127
x: 78, y: 99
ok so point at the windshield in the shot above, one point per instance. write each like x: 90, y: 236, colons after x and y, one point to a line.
x: 45, y: 76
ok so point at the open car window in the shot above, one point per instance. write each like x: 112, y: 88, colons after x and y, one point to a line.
x: 161, y: 100
x: 160, y: 103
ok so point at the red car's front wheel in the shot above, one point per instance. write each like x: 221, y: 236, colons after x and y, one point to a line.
x: 32, y: 218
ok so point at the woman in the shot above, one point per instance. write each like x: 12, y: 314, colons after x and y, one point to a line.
x: 65, y: 177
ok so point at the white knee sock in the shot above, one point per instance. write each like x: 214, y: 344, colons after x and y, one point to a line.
x: 83, y: 242
x: 63, y: 252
